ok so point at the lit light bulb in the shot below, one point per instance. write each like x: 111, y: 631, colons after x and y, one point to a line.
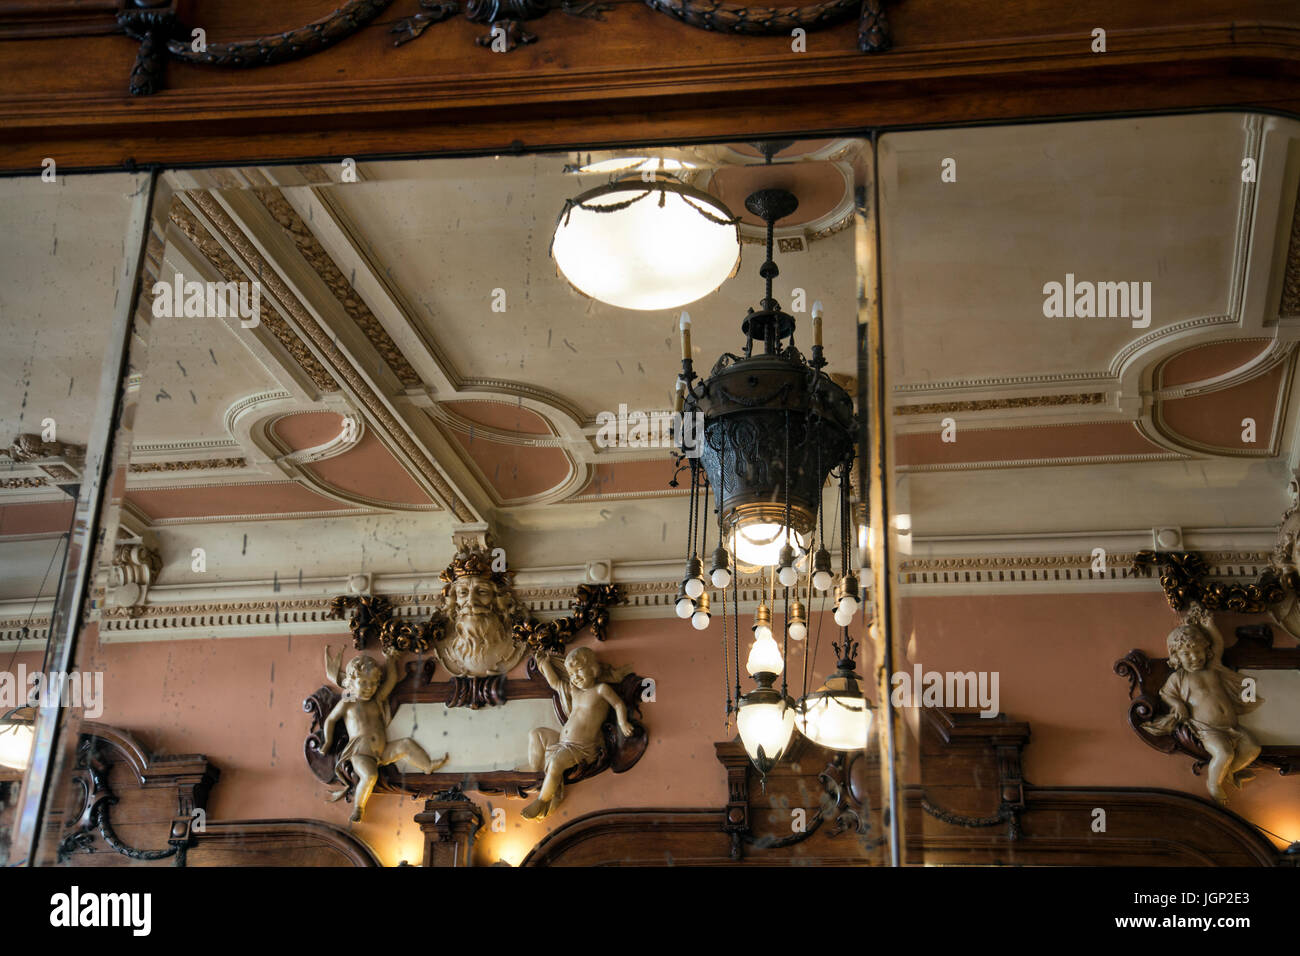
x: 822, y: 577
x: 694, y: 587
x: 764, y: 655
x: 762, y: 632
x: 685, y: 607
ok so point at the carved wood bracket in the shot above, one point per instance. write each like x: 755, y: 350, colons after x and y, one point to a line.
x: 191, y: 774
x: 156, y: 25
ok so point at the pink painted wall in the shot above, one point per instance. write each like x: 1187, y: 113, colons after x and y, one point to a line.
x: 1054, y: 654
x: 239, y: 701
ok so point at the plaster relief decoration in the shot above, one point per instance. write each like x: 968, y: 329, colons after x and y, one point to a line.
x: 51, y: 463
x: 479, y: 634
x: 587, y: 691
x: 363, y: 710
x: 135, y: 567
x: 1204, y: 700
x: 1285, y: 562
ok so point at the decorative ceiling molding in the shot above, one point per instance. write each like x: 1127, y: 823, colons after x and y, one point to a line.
x: 1290, y: 303
x: 415, y: 458
x: 347, y: 296
x: 994, y: 404
x: 1155, y: 428
x: 207, y: 464
x: 1275, y: 352
x: 454, y: 421
x: 1049, y: 573
x: 220, y: 260
x: 1039, y: 462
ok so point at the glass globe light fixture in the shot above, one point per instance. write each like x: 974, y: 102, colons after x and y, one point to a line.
x: 646, y: 245
x: 759, y: 543
x: 16, y: 736
x: 764, y: 657
x: 765, y: 720
x: 837, y: 715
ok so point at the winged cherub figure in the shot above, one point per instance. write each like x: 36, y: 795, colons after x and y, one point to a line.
x: 586, y: 696
x: 1208, y: 697
x: 363, y: 708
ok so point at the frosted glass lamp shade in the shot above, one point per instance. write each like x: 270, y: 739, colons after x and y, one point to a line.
x: 668, y: 246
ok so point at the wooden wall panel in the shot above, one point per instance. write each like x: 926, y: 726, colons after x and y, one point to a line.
x: 638, y: 75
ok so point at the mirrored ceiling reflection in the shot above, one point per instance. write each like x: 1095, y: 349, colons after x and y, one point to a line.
x: 66, y: 269
x: 1090, y: 307
x: 401, y: 370
x: 1090, y: 337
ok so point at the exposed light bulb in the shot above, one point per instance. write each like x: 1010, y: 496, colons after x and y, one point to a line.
x: 719, y: 574
x: 798, y: 630
x: 764, y: 655
x: 788, y: 576
x: 694, y: 587
x: 685, y: 607
x: 762, y: 632
x: 700, y: 619
x: 843, y: 615
x: 822, y: 580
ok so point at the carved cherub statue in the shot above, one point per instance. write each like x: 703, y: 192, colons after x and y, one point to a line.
x: 363, y: 708
x: 586, y: 697
x: 1208, y: 697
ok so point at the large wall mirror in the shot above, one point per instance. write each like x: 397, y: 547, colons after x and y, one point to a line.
x: 902, y: 498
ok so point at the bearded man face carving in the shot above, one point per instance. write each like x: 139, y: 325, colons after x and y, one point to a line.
x: 479, y: 641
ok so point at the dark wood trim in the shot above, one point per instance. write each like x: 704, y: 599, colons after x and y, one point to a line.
x: 363, y: 98
x: 1145, y: 828
x: 287, y: 836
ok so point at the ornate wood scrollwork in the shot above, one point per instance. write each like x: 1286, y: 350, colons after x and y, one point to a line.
x: 191, y: 774
x: 156, y: 25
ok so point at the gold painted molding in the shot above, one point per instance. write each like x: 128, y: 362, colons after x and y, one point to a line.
x: 274, y: 322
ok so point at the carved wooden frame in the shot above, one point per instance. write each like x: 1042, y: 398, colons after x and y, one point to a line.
x: 418, y: 687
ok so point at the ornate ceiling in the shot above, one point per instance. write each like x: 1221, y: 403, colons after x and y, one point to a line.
x: 419, y: 365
